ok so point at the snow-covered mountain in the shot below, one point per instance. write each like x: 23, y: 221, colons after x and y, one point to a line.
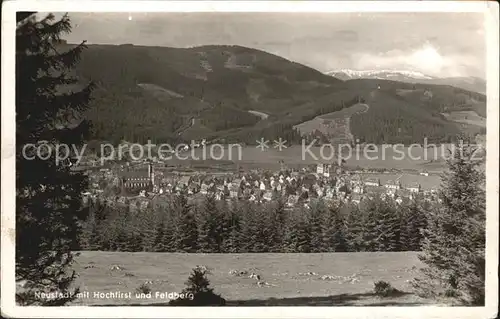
x: 468, y: 83
x: 396, y: 75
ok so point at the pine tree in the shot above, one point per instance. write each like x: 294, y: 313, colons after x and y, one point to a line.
x: 354, y: 229
x: 316, y: 217
x: 209, y: 227
x: 158, y: 244
x: 369, y: 224
x: 232, y: 230
x: 275, y: 224
x: 48, y: 205
x: 186, y: 232
x: 253, y: 233
x: 339, y: 240
x: 387, y: 227
x: 453, y: 249
x: 90, y: 237
x: 297, y: 234
x: 413, y: 221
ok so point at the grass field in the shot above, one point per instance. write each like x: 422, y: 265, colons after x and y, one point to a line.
x: 290, y: 279
x: 334, y: 125
x: 292, y: 155
x: 466, y: 117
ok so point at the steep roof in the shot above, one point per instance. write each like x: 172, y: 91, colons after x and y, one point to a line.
x: 143, y: 174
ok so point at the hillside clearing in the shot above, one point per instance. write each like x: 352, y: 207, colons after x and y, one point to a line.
x: 159, y: 92
x: 306, y: 279
x: 260, y: 114
x: 334, y: 125
x: 466, y: 117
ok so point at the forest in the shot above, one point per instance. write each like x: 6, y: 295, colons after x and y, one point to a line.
x: 240, y: 226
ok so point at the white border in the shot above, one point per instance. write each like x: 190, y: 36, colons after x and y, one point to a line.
x: 9, y: 309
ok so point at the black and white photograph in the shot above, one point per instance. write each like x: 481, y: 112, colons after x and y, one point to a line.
x: 256, y: 159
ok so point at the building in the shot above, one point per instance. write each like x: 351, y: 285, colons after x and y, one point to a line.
x: 234, y: 190
x: 372, y: 182
x: 268, y: 196
x: 204, y: 188
x: 323, y: 169
x: 356, y: 198
x: 262, y: 186
x: 414, y: 188
x: 393, y: 185
x: 292, y: 200
x: 138, y: 179
x: 183, y: 183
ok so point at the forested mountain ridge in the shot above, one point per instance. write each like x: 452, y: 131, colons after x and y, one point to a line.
x: 470, y: 83
x: 177, y: 94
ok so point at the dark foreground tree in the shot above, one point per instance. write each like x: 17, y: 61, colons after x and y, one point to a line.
x: 48, y: 205
x: 198, y: 292
x: 454, y: 240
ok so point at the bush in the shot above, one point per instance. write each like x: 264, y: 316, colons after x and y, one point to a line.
x: 199, y: 291
x: 143, y: 288
x: 384, y: 289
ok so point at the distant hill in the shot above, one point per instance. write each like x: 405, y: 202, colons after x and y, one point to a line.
x: 474, y: 84
x: 220, y: 93
x: 143, y: 90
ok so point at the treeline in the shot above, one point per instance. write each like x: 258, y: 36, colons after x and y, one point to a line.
x: 211, y: 226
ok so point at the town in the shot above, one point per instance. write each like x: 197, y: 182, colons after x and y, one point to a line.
x: 140, y: 184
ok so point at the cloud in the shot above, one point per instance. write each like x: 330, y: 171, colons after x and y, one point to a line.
x: 426, y: 59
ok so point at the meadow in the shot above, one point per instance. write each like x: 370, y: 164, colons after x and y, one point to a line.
x: 466, y: 117
x: 286, y: 279
x: 334, y: 125
x: 388, y: 158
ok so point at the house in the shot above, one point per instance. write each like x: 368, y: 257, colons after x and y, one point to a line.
x: 320, y: 168
x: 122, y: 200
x: 234, y: 190
x: 274, y: 184
x: 268, y: 196
x: 319, y: 192
x: 372, y: 182
x: 183, y: 183
x: 414, y: 188
x: 356, y: 198
x: 279, y: 187
x: 323, y: 169
x: 342, y: 194
x: 204, y: 188
x: 236, y: 182
x: 329, y: 193
x: 219, y: 195
x: 393, y: 185
x: 193, y: 188
x: 262, y: 186
x: 357, y: 187
x: 292, y: 200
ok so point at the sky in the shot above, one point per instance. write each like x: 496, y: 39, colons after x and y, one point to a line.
x: 437, y: 44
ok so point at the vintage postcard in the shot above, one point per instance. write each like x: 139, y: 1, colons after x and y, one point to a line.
x: 249, y: 159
